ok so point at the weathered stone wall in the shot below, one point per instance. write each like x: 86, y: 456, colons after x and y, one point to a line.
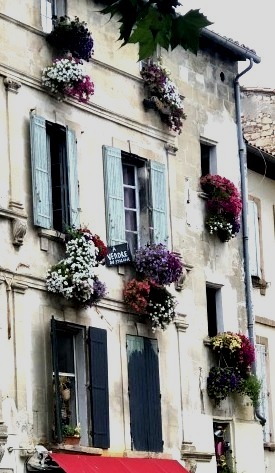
x: 258, y: 107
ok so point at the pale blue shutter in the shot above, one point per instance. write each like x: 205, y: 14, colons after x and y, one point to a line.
x: 158, y: 202
x: 253, y: 239
x: 263, y: 401
x: 114, y: 199
x: 41, y: 179
x: 73, y: 177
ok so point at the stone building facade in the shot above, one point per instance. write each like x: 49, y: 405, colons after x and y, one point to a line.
x: 113, y: 126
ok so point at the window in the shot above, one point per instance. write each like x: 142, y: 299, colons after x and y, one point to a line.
x: 135, y: 199
x: 261, y: 370
x: 208, y: 159
x: 214, y: 310
x: 54, y: 175
x: 72, y: 371
x: 144, y: 394
x: 255, y: 245
x: 50, y: 9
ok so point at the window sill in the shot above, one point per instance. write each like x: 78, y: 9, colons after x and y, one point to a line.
x: 46, y: 235
x: 269, y: 446
x: 77, y: 448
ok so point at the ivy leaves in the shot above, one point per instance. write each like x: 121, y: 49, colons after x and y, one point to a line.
x: 150, y: 23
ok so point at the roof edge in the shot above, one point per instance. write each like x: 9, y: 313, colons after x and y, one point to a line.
x: 227, y: 43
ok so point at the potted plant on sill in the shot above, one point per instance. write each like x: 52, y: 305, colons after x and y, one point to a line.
x: 163, y: 95
x: 71, y: 434
x: 223, y: 206
x: 71, y: 36
x: 75, y: 277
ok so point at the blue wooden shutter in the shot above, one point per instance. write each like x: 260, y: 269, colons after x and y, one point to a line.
x: 73, y: 177
x: 114, y: 199
x: 153, y: 395
x: 253, y: 240
x: 158, y: 202
x: 41, y: 178
x: 263, y: 401
x: 57, y: 402
x: 99, y: 387
x: 137, y: 393
x: 144, y: 394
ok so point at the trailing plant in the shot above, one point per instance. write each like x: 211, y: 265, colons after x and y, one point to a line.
x: 164, y: 95
x: 157, y: 263
x: 156, y: 22
x: 74, y: 277
x: 251, y: 386
x: 71, y: 36
x: 224, y: 206
x: 66, y: 77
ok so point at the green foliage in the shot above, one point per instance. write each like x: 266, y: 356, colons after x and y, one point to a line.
x: 251, y: 386
x: 155, y: 22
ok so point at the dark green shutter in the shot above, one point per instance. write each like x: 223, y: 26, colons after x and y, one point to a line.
x: 73, y: 177
x: 153, y: 394
x: 158, y: 202
x: 41, y: 178
x: 99, y: 387
x: 57, y: 404
x: 144, y: 394
x: 114, y: 198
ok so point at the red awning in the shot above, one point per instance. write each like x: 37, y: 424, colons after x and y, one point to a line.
x: 72, y: 463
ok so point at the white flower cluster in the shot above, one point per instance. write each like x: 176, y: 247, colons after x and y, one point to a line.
x: 214, y: 226
x: 62, y: 73
x: 171, y: 94
x: 73, y: 276
x: 161, y: 315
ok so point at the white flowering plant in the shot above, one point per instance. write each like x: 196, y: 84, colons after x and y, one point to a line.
x: 161, y: 307
x: 164, y: 95
x: 75, y: 277
x: 66, y: 77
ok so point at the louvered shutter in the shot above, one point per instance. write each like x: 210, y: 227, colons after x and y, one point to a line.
x: 153, y: 395
x: 41, y: 178
x: 57, y: 403
x: 144, y: 394
x: 137, y: 393
x: 263, y: 401
x: 73, y: 177
x: 99, y: 387
x: 253, y: 239
x: 158, y: 202
x: 114, y: 199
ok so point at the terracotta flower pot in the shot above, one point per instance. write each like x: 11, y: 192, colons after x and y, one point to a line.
x: 71, y: 440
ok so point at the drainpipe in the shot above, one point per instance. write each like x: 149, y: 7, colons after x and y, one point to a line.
x: 244, y: 194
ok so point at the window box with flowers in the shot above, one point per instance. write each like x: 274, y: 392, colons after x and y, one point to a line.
x: 74, y: 277
x: 66, y: 78
x: 223, y: 206
x: 146, y: 295
x: 71, y: 36
x: 71, y: 434
x: 235, y: 354
x: 163, y: 95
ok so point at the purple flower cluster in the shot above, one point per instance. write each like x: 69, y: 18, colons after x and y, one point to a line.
x: 72, y: 36
x: 99, y: 291
x: 157, y: 263
x: 222, y: 381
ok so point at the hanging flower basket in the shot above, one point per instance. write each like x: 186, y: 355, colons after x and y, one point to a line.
x: 71, y: 36
x: 223, y: 206
x: 233, y: 349
x: 74, y: 277
x: 223, y: 381
x: 157, y: 263
x: 151, y: 301
x: 66, y: 78
x: 163, y: 96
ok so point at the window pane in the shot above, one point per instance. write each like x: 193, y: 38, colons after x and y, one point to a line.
x: 132, y: 241
x: 65, y: 350
x: 129, y: 198
x: 130, y: 220
x: 128, y: 175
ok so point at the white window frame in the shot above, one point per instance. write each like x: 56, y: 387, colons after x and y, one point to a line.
x: 137, y: 208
